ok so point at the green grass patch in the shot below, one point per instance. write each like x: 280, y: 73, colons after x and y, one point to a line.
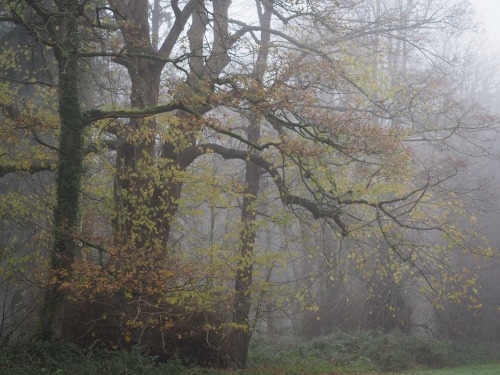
x: 484, y: 369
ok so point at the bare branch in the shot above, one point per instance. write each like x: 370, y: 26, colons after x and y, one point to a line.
x: 318, y: 210
x: 96, y: 114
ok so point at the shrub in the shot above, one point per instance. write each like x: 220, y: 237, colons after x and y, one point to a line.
x: 34, y: 358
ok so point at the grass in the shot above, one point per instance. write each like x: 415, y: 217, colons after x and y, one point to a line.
x: 484, y: 369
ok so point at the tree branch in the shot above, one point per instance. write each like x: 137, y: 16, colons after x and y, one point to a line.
x: 32, y: 169
x: 318, y: 210
x: 97, y: 114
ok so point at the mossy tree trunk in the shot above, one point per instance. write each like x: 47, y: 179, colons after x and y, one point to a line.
x: 69, y: 174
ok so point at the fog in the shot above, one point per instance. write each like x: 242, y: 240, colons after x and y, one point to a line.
x: 488, y: 14
x: 189, y: 182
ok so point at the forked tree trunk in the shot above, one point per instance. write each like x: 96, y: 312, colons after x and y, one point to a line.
x: 147, y: 189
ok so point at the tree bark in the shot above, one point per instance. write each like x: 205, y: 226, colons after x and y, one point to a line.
x: 147, y: 187
x: 69, y: 175
x: 240, y: 337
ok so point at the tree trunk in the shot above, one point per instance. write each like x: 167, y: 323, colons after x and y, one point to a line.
x: 68, y: 181
x: 240, y: 337
x: 135, y: 160
x: 147, y: 187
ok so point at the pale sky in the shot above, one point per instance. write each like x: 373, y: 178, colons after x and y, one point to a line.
x: 488, y: 11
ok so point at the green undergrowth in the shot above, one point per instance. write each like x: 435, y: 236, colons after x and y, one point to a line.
x: 370, y: 351
x: 361, y: 353
x: 35, y: 358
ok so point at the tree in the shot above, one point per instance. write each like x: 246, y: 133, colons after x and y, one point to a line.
x: 328, y: 132
x: 62, y: 34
